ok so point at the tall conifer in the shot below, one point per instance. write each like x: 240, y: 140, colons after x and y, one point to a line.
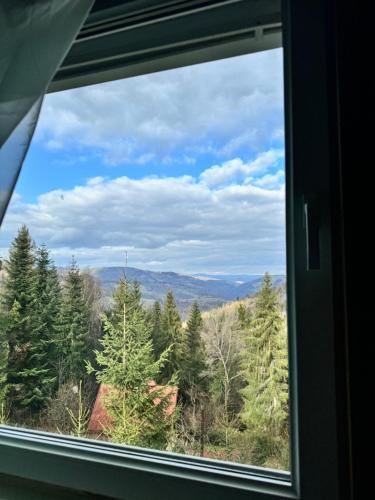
x: 156, y: 332
x: 127, y: 367
x: 173, y: 338
x: 4, y: 352
x: 74, y: 331
x: 19, y: 275
x: 265, y: 371
x: 43, y: 366
x: 19, y: 301
x: 195, y: 363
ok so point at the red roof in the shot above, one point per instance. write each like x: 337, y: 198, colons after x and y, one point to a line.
x: 100, y: 418
x: 168, y: 391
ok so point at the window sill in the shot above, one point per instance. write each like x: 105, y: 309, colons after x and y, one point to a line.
x: 126, y: 472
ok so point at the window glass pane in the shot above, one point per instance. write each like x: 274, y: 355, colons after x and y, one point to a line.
x: 143, y: 265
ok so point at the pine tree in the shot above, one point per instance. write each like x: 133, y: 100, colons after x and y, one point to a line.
x: 19, y: 277
x: 31, y: 321
x: 195, y: 368
x: 92, y: 295
x: 53, y: 320
x: 244, y: 316
x: 42, y: 366
x: 156, y: 332
x: 265, y: 371
x: 173, y: 338
x: 74, y: 330
x: 18, y: 302
x: 127, y: 366
x: 126, y: 295
x: 4, y: 352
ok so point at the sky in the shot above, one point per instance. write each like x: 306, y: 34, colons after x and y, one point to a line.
x: 183, y: 169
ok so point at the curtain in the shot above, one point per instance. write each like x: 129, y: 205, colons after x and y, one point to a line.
x: 35, y: 36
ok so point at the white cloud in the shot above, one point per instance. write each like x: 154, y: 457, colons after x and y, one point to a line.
x: 173, y: 223
x: 237, y: 170
x: 271, y: 181
x: 225, y: 104
x: 95, y: 180
x: 229, y: 219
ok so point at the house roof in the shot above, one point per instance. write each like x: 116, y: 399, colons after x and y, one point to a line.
x: 100, y: 419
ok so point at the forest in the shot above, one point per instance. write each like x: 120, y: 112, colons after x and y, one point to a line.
x: 59, y: 345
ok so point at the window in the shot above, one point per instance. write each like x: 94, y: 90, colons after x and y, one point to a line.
x: 176, y: 219
x: 314, y: 457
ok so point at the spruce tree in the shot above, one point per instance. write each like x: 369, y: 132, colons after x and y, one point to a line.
x: 4, y: 352
x: 43, y: 366
x: 126, y: 295
x: 156, y: 332
x: 19, y: 275
x: 18, y: 302
x: 127, y: 367
x: 31, y: 373
x: 244, y: 316
x: 173, y: 338
x: 92, y: 295
x: 74, y: 329
x: 265, y: 371
x: 195, y: 369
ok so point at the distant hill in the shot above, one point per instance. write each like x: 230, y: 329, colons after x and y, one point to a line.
x: 207, y: 290
x: 245, y: 278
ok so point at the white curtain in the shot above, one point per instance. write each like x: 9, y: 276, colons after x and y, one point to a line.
x: 35, y: 36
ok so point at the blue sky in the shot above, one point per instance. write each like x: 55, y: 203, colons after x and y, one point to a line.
x: 184, y: 169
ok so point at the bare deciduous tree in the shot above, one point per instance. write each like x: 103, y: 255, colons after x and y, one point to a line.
x: 222, y: 336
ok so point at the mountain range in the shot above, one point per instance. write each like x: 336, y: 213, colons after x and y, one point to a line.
x: 208, y: 290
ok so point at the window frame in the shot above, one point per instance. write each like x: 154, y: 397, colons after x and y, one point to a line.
x: 318, y: 398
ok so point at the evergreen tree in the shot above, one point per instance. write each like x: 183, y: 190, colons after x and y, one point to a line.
x: 18, y: 302
x: 173, y: 338
x: 265, y: 370
x: 42, y: 368
x: 19, y: 276
x: 195, y: 369
x: 156, y: 332
x: 92, y: 295
x: 31, y: 321
x: 244, y: 316
x: 127, y: 366
x: 127, y: 296
x: 74, y: 330
x: 4, y: 352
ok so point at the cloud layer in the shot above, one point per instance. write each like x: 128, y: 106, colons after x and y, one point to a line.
x: 217, y: 107
x: 201, y: 182
x: 172, y: 223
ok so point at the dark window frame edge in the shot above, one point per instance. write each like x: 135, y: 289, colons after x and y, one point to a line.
x: 106, y: 56
x: 291, y: 9
x: 48, y: 452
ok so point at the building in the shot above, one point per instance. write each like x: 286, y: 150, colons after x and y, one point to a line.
x: 100, y: 419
